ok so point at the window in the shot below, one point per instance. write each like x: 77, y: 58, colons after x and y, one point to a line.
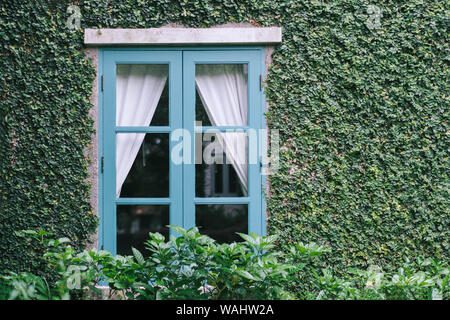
x: 180, y: 142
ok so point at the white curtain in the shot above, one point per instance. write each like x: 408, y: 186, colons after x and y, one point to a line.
x: 138, y: 90
x: 223, y: 91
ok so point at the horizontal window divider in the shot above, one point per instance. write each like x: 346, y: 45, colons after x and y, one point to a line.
x: 222, y: 200
x: 220, y: 128
x: 149, y: 201
x: 149, y: 129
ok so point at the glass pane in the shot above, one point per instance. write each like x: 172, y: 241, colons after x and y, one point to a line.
x: 142, y: 95
x: 222, y: 221
x: 221, y: 165
x: 161, y: 115
x: 142, y: 165
x: 134, y: 222
x: 200, y: 112
x: 222, y: 94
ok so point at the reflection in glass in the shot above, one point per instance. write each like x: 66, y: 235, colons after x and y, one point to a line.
x: 221, y: 165
x: 134, y: 222
x: 217, y: 180
x: 142, y: 95
x: 222, y: 221
x: 149, y: 173
x: 200, y: 112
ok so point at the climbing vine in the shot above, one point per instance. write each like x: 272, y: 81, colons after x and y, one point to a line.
x: 358, y: 90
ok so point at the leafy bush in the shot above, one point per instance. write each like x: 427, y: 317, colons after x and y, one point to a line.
x: 423, y: 279
x: 191, y: 266
x: 194, y: 266
x: 27, y: 286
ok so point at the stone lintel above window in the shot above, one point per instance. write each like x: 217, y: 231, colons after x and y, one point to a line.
x: 183, y: 36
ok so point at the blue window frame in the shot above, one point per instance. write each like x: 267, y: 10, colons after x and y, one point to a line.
x: 182, y: 199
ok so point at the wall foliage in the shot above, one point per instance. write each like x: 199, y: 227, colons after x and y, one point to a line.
x: 359, y: 91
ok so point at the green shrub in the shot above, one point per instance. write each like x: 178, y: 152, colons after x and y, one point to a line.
x: 191, y: 266
x: 194, y: 266
x: 27, y: 286
x: 419, y: 280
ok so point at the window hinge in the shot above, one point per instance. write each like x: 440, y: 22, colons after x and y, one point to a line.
x: 260, y: 82
x: 102, y: 82
x: 102, y: 164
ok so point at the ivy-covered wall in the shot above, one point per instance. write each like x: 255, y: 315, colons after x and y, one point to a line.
x: 359, y: 91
